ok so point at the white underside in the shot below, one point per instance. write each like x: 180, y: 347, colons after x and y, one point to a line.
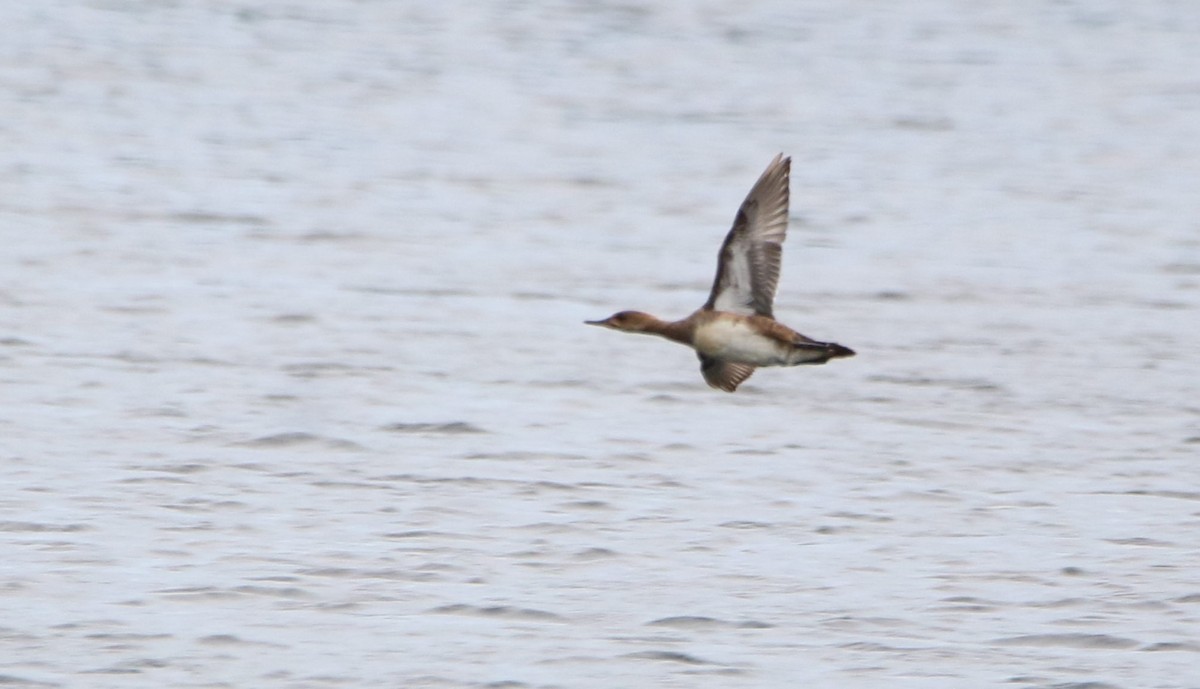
x: 737, y: 342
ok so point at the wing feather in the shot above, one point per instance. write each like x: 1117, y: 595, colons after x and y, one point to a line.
x: 724, y: 375
x: 749, y: 262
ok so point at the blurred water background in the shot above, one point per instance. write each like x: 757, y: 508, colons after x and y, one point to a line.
x: 294, y: 389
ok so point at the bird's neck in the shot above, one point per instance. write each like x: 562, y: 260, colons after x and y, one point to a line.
x: 675, y: 331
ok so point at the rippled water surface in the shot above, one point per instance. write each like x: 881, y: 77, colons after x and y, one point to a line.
x: 294, y: 389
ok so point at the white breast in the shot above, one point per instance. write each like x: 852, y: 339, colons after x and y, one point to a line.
x: 736, y: 341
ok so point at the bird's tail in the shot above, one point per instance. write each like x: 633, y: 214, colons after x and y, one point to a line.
x: 813, y: 352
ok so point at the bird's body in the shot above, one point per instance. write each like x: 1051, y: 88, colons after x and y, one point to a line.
x: 735, y: 331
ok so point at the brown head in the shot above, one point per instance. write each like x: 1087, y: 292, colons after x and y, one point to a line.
x: 628, y: 321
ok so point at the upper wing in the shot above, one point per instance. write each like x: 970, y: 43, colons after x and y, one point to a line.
x: 723, y: 374
x: 748, y: 265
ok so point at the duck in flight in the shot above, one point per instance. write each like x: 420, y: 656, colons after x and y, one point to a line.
x: 735, y: 331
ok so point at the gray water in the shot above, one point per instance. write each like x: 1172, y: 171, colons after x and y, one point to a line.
x: 294, y: 389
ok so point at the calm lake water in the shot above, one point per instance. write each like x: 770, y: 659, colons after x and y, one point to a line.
x: 295, y: 390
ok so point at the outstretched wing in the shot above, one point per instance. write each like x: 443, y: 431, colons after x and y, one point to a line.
x: 748, y: 265
x: 723, y: 374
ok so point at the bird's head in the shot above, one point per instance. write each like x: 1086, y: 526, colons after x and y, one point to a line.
x: 627, y: 321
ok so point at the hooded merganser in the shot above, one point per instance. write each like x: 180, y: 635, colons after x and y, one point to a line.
x: 735, y: 331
